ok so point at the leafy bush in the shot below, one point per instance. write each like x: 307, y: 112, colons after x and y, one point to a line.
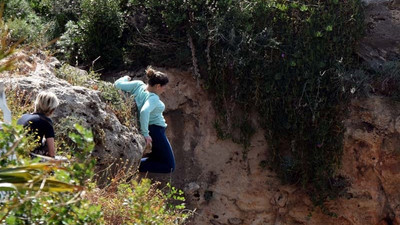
x: 70, y: 43
x: 76, y: 76
x: 13, y: 134
x: 41, y: 200
x: 24, y: 23
x: 60, y: 12
x: 102, y: 27
x: 141, y: 202
x: 17, y: 9
x: 95, y: 36
x: 120, y: 103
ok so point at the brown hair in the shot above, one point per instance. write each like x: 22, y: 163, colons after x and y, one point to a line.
x: 156, y: 77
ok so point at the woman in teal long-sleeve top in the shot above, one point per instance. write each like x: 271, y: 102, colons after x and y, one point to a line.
x: 152, y: 122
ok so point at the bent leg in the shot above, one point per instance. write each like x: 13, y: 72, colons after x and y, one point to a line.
x: 162, y: 159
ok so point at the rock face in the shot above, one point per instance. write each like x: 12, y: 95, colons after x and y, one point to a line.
x: 226, y: 188
x: 382, y: 40
x: 368, y: 2
x: 114, y: 141
x: 371, y: 160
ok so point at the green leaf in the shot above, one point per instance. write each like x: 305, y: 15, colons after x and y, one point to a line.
x: 303, y: 8
x: 329, y: 28
x: 7, y: 187
x: 11, y: 219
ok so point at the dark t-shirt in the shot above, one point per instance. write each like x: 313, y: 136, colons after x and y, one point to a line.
x: 39, y: 124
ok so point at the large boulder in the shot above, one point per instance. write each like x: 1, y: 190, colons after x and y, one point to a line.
x: 115, y: 142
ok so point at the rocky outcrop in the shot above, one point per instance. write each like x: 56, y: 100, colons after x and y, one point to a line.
x: 114, y: 141
x: 382, y: 39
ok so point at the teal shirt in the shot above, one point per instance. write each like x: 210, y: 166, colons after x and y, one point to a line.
x: 150, y: 106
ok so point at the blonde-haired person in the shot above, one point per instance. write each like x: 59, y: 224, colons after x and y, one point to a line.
x: 40, y: 124
x: 152, y: 122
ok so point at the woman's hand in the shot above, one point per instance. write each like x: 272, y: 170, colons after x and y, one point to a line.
x: 148, y: 147
x: 128, y: 78
x: 148, y: 140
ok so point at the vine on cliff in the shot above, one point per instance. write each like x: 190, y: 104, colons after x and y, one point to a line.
x: 284, y: 59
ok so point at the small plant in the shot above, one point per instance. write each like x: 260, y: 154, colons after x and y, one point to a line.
x: 19, y: 101
x: 7, y: 49
x: 63, y: 127
x: 139, y: 202
x: 76, y: 77
x: 121, y: 104
x: 14, y: 145
x: 44, y: 192
x: 21, y: 29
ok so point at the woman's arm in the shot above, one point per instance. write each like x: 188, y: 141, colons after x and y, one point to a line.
x: 125, y: 84
x: 147, y: 108
x: 50, y: 146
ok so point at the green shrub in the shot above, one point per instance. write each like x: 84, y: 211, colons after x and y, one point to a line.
x: 17, y: 9
x: 140, y: 202
x: 70, y: 44
x: 102, y: 27
x: 24, y: 23
x: 95, y: 36
x: 14, y: 134
x: 41, y: 205
x: 42, y: 7
x: 121, y: 104
x: 76, y: 76
x: 21, y: 29
x: 64, y: 11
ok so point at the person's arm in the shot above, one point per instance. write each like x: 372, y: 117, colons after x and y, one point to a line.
x: 49, y: 135
x: 50, y: 146
x: 147, y: 108
x: 125, y: 84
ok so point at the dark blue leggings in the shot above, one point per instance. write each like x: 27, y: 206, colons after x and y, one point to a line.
x: 161, y: 159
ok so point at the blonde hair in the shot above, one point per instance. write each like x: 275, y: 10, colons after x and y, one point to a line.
x: 156, y: 77
x: 46, y: 102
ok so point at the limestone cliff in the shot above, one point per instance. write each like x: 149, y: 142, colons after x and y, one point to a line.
x: 225, y: 188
